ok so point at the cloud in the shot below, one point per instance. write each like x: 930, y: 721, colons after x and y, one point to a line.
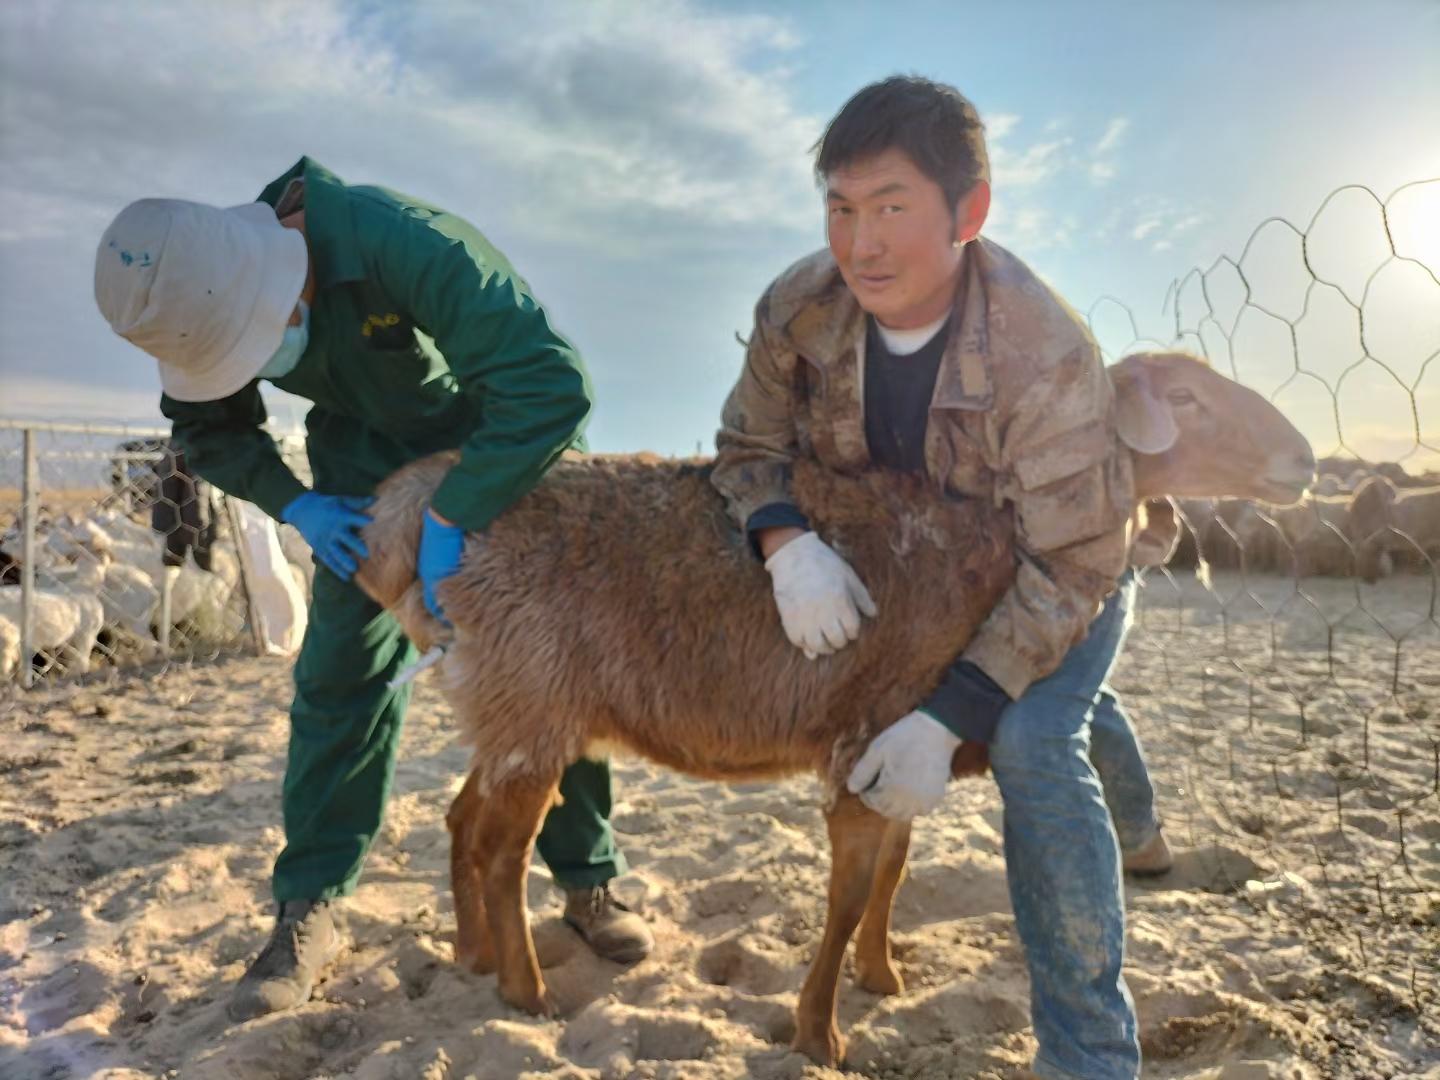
x: 580, y: 121
x: 1160, y: 220
x: 1114, y: 133
x: 1027, y: 228
x: 1101, y: 167
x: 1055, y: 157
x: 612, y: 150
x: 998, y: 125
x: 1030, y: 167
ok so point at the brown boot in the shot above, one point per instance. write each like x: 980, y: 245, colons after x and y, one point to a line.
x: 1150, y: 859
x: 304, y: 942
x: 611, y: 929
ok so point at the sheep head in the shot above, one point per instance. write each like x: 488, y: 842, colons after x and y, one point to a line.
x: 1368, y: 518
x: 1193, y: 432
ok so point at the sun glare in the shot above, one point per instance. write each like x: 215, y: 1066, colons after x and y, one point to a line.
x: 1414, y: 217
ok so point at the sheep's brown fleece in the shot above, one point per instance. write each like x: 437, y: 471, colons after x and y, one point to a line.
x: 1402, y: 522
x: 617, y: 603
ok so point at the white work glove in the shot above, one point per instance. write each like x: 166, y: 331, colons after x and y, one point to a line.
x: 903, y: 772
x: 820, y: 598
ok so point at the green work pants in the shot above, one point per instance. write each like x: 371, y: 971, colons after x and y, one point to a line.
x: 344, y: 732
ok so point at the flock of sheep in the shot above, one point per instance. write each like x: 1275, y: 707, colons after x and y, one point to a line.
x: 102, y: 582
x: 1371, y: 522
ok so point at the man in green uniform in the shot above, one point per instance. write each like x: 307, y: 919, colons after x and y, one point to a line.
x: 411, y: 334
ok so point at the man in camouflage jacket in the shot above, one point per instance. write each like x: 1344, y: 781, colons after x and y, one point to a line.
x: 914, y: 344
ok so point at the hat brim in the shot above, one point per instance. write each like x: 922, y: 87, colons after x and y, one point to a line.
x: 284, y: 263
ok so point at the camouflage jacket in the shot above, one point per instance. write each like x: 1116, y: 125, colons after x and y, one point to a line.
x: 1022, y: 415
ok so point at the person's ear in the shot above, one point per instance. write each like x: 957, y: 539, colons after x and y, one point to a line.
x: 971, y: 211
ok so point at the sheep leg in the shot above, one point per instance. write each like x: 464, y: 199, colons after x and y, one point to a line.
x: 510, y: 818
x: 874, y: 969
x: 474, y: 948
x: 856, y: 835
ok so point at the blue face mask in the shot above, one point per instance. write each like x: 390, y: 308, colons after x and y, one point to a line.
x: 292, y: 347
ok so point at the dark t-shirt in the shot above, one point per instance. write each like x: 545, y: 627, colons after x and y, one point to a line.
x: 898, y: 390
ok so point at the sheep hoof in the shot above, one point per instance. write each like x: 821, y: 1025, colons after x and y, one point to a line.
x: 823, y: 1045
x: 884, y: 980
x: 535, y: 1000
x: 477, y: 961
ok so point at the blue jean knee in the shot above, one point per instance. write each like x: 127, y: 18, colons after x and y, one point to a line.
x: 1117, y: 756
x: 1063, y: 863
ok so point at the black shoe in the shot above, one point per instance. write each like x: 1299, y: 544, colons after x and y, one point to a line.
x: 303, y: 944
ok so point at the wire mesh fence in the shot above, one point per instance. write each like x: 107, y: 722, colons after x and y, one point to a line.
x: 1286, y: 662
x: 113, y: 553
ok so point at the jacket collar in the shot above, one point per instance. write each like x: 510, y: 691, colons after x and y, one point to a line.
x: 328, y: 228
x: 829, y: 332
x: 964, y: 381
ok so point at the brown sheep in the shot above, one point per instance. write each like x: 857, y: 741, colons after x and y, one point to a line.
x: 1215, y: 534
x: 1307, y: 539
x: 617, y: 605
x: 1393, y: 527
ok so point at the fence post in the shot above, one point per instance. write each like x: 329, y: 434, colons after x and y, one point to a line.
x: 29, y: 511
x: 167, y: 592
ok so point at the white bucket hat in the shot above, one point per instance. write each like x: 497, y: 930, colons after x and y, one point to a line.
x: 206, y: 291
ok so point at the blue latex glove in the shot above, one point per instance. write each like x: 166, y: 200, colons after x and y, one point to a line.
x: 441, y: 545
x: 331, y: 525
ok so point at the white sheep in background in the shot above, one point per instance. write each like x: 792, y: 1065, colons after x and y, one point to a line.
x: 128, y: 599
x: 115, y: 571
x: 131, y: 599
x: 54, y: 621
x: 81, y: 585
x: 117, y: 526
x: 137, y: 554
x: 9, y: 649
x: 60, y: 624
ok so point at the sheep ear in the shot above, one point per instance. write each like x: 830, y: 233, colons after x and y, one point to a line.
x: 1143, y: 422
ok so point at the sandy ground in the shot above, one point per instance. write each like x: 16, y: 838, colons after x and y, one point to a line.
x: 1293, y: 736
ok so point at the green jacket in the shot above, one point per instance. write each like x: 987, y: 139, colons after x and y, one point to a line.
x: 422, y: 338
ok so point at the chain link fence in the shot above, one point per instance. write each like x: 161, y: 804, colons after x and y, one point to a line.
x: 1285, y: 667
x: 114, y: 554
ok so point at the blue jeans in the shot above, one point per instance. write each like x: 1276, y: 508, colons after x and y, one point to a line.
x: 1060, y: 752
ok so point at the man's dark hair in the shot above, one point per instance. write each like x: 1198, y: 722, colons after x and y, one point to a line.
x: 932, y: 123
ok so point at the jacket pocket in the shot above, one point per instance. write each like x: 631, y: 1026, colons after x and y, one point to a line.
x: 1072, y: 487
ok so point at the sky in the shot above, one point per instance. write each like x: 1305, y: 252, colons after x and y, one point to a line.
x: 646, y: 166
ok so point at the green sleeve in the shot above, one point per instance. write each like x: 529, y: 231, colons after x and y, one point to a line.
x: 226, y: 444
x: 501, y: 348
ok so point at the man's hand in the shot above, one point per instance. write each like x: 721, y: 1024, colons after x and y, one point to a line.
x: 441, y: 545
x: 331, y: 525
x: 819, y: 597
x: 902, y: 773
